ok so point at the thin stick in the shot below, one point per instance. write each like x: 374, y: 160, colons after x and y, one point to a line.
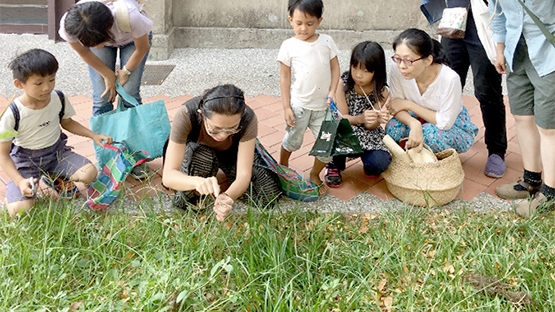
x: 370, y: 102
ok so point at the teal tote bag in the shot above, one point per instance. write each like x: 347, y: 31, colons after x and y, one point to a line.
x: 141, y: 128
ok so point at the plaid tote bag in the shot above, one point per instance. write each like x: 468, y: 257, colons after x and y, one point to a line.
x: 292, y: 184
x: 107, y: 187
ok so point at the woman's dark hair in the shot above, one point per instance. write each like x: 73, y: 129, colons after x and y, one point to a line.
x: 90, y: 22
x: 310, y: 7
x: 422, y: 44
x: 223, y: 100
x: 33, y: 62
x: 371, y: 56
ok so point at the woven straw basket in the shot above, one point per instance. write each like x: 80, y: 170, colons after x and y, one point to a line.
x: 425, y: 184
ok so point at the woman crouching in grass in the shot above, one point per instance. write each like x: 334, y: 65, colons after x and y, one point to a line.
x: 210, y: 132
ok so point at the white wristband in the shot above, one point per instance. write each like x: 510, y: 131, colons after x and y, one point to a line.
x: 125, y: 70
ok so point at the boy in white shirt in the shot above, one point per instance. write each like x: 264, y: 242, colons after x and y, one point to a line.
x: 32, y: 143
x: 312, y: 58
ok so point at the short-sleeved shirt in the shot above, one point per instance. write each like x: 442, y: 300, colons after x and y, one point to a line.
x: 38, y: 128
x: 444, y: 94
x: 183, y: 124
x: 310, y: 70
x: 139, y: 21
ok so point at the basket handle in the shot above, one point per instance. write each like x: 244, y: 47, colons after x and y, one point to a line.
x: 424, y: 145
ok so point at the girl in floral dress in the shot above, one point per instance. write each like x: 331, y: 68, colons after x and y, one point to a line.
x: 360, y: 98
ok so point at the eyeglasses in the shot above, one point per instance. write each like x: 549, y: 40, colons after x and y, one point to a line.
x: 407, y: 62
x: 213, y: 130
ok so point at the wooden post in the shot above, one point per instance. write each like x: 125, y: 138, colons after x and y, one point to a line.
x: 56, y: 9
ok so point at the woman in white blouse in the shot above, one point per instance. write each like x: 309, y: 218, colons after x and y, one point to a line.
x: 426, y: 97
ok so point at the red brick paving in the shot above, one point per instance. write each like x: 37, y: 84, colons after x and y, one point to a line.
x: 271, y: 130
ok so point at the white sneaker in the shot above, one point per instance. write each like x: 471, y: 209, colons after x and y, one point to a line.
x: 141, y: 172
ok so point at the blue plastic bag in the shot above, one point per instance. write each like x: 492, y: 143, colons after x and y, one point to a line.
x: 141, y: 128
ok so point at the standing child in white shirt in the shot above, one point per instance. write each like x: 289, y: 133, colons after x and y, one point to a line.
x: 312, y: 58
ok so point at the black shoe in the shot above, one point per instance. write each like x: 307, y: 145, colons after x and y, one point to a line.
x: 333, y: 177
x: 141, y: 172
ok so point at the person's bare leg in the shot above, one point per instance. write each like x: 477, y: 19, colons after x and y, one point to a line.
x: 545, y: 198
x: 315, y: 172
x: 548, y: 155
x: 15, y: 208
x: 529, y: 142
x: 86, y: 174
x: 284, y: 156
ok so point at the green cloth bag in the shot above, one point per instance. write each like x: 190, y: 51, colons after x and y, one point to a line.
x: 141, y: 128
x: 336, y: 137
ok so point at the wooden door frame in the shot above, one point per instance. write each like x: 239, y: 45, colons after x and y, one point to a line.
x: 56, y: 9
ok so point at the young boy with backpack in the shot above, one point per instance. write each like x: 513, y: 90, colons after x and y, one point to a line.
x: 32, y: 144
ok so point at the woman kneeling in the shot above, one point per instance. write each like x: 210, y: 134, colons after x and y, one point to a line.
x: 216, y: 131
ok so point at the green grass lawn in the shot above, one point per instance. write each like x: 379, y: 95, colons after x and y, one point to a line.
x: 59, y: 258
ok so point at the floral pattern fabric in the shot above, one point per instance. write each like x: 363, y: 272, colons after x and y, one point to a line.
x: 460, y: 137
x: 370, y: 140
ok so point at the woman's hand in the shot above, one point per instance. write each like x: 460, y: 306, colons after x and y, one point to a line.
x: 500, y: 61
x: 330, y: 99
x: 500, y: 65
x: 416, y: 138
x: 206, y: 186
x: 397, y: 105
x: 122, y: 77
x: 370, y: 116
x: 110, y: 83
x: 384, y: 116
x: 222, y: 206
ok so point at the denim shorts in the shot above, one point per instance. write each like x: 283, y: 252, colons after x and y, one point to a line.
x: 56, y: 160
x: 304, y: 118
x: 530, y: 94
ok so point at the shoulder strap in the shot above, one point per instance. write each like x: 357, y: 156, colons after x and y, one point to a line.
x: 541, y: 26
x: 63, y: 101
x: 192, y: 107
x: 15, y: 112
x: 122, y: 16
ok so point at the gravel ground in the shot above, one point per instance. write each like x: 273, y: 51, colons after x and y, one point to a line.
x: 253, y: 70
